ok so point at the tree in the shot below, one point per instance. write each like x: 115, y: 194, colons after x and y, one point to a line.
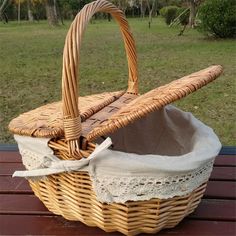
x: 2, y: 9
x: 193, y: 12
x: 193, y: 6
x: 123, y: 4
x: 51, y: 12
x: 18, y: 10
x: 144, y: 5
x: 69, y: 8
x: 151, y: 6
x: 29, y: 11
x: 152, y: 10
x: 24, y: 7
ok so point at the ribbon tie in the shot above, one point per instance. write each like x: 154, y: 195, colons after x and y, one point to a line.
x: 55, y: 165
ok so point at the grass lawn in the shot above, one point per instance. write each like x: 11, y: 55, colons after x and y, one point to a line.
x: 31, y: 59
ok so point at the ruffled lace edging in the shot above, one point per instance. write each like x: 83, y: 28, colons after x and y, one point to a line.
x: 119, y: 189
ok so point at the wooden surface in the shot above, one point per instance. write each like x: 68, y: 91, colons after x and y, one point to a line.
x: 21, y: 213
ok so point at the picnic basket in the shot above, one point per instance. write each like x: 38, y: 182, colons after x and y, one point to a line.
x: 74, y: 124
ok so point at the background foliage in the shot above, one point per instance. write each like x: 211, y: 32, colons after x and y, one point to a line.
x: 218, y: 17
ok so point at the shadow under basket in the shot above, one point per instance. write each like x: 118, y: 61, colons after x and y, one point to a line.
x: 141, y: 127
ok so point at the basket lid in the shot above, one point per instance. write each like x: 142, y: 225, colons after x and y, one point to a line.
x: 47, y: 121
x: 104, y: 113
x: 155, y: 100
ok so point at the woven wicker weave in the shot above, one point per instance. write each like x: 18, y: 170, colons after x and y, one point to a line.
x: 73, y: 131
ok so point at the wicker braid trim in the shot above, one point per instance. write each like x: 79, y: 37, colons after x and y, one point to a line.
x: 72, y: 128
x: 132, y: 86
x: 156, y: 99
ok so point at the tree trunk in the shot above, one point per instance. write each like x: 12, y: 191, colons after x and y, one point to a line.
x: 143, y: 7
x: 193, y: 12
x: 182, y: 30
x: 51, y: 12
x: 55, y: 8
x: 2, y: 8
x: 122, y: 4
x: 109, y: 17
x: 18, y: 11
x: 30, y: 14
x: 58, y: 11
x: 152, y: 11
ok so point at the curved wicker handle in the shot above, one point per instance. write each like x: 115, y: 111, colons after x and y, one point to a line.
x: 71, y: 115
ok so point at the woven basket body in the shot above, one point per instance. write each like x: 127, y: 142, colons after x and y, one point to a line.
x: 73, y: 133
x: 71, y: 195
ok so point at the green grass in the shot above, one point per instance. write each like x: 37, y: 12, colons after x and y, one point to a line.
x: 31, y: 59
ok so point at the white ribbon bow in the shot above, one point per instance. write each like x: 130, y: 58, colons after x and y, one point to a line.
x: 55, y: 165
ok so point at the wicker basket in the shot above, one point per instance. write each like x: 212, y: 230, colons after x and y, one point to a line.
x: 73, y: 133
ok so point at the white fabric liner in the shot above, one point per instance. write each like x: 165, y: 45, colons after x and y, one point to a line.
x: 168, y: 153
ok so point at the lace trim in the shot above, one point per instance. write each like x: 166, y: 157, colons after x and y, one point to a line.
x: 111, y: 188
x: 32, y: 160
x: 121, y: 189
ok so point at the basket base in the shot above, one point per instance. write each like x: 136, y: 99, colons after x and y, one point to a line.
x: 80, y: 204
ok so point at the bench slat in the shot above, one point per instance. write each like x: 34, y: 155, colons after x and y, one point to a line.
x: 225, y: 160
x: 210, y: 209
x: 14, y: 185
x: 221, y: 189
x: 22, y: 204
x: 223, y: 173
x: 215, y: 189
x: 189, y: 227
x: 10, y: 156
x: 9, y: 168
x: 215, y: 209
x: 54, y: 225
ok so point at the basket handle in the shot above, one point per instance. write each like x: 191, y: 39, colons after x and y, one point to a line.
x: 71, y: 115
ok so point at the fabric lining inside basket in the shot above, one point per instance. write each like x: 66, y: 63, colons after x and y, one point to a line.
x: 163, y: 132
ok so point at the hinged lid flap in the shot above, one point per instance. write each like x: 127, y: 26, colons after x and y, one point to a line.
x: 156, y: 99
